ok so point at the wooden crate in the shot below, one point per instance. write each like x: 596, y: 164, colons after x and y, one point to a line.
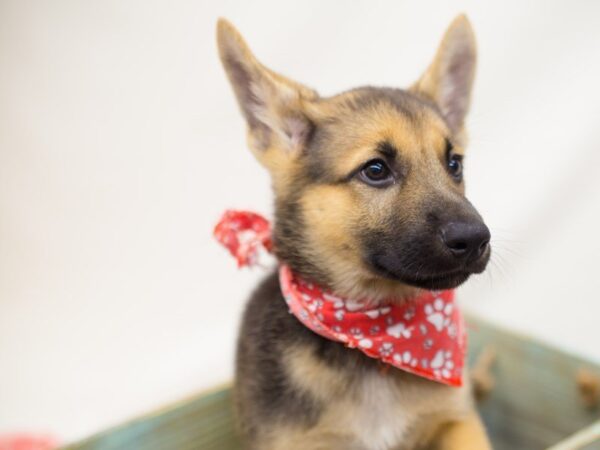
x: 534, y: 405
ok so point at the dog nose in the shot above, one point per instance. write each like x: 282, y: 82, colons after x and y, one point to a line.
x: 466, y: 239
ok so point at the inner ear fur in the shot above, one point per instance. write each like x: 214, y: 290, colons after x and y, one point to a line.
x: 448, y: 81
x: 273, y: 105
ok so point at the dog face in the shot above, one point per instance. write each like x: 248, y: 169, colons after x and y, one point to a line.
x: 368, y: 184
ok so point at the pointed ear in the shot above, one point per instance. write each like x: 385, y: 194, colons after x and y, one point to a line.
x: 271, y: 104
x: 449, y: 78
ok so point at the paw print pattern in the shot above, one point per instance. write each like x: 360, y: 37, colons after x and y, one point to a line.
x: 421, y: 336
x: 399, y: 330
x: 356, y: 332
x: 410, y: 313
x: 365, y: 343
x: 406, y: 358
x: 428, y: 344
x: 306, y: 297
x: 336, y: 301
x: 375, y: 329
x: 452, y: 331
x: 352, y: 305
x: 375, y: 313
x: 303, y: 315
x: 442, y: 364
x: 386, y: 349
x: 438, y: 314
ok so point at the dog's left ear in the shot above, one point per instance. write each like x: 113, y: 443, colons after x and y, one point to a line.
x: 449, y: 79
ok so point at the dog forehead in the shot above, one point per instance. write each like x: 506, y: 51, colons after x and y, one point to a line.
x: 358, y: 122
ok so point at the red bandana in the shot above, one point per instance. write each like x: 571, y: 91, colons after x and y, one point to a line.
x: 424, y: 336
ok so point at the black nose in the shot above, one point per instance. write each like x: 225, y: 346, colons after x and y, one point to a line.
x: 466, y: 239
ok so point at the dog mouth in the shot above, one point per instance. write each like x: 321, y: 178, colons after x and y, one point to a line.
x: 431, y: 280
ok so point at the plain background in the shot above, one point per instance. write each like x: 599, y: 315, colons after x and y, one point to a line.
x: 121, y: 144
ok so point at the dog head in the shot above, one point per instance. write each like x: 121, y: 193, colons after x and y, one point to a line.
x: 369, y: 191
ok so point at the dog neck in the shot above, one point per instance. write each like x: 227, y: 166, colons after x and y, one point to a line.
x: 424, y: 335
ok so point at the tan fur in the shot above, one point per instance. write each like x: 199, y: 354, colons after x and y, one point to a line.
x: 374, y: 410
x: 361, y: 407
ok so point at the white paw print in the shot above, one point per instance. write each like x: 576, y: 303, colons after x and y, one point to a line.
x: 305, y: 297
x: 386, y: 349
x: 356, y: 333
x: 303, y: 314
x: 452, y: 331
x: 339, y: 314
x: 410, y: 313
x: 342, y: 337
x: 365, y: 343
x: 353, y: 305
x: 374, y: 329
x: 399, y: 330
x: 438, y: 314
x: 441, y: 364
x: 406, y: 358
x: 337, y: 302
x: 375, y: 313
x: 427, y: 344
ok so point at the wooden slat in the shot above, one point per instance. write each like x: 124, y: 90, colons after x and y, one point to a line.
x: 534, y: 405
x: 581, y: 439
x: 535, y: 402
x: 202, y: 422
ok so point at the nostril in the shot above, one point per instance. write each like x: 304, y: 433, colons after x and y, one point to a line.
x: 484, y: 245
x: 465, y: 239
x: 459, y: 246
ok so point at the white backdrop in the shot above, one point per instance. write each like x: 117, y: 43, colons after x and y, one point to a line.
x: 120, y: 145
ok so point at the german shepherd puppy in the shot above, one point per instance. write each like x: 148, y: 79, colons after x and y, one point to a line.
x: 369, y: 203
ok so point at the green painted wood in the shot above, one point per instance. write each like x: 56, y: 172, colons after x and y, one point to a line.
x: 534, y: 405
x: 202, y: 422
x: 535, y: 402
x: 582, y: 439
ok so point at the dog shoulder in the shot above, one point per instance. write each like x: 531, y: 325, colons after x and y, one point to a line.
x: 264, y: 392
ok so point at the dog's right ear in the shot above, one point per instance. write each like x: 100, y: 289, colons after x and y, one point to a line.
x: 272, y: 105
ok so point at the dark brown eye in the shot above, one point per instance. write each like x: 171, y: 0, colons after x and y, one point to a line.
x: 455, y: 166
x: 376, y: 173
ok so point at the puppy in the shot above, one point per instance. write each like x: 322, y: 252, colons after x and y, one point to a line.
x: 369, y: 204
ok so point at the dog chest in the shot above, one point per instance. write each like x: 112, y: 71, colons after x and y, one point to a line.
x: 388, y: 413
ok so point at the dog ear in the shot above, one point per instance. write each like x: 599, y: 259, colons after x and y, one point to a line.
x: 449, y: 78
x: 271, y: 104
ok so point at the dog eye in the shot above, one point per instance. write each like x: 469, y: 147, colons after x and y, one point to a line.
x: 455, y: 166
x: 376, y: 173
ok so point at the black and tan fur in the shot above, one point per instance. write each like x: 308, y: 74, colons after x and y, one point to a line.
x: 294, y: 389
